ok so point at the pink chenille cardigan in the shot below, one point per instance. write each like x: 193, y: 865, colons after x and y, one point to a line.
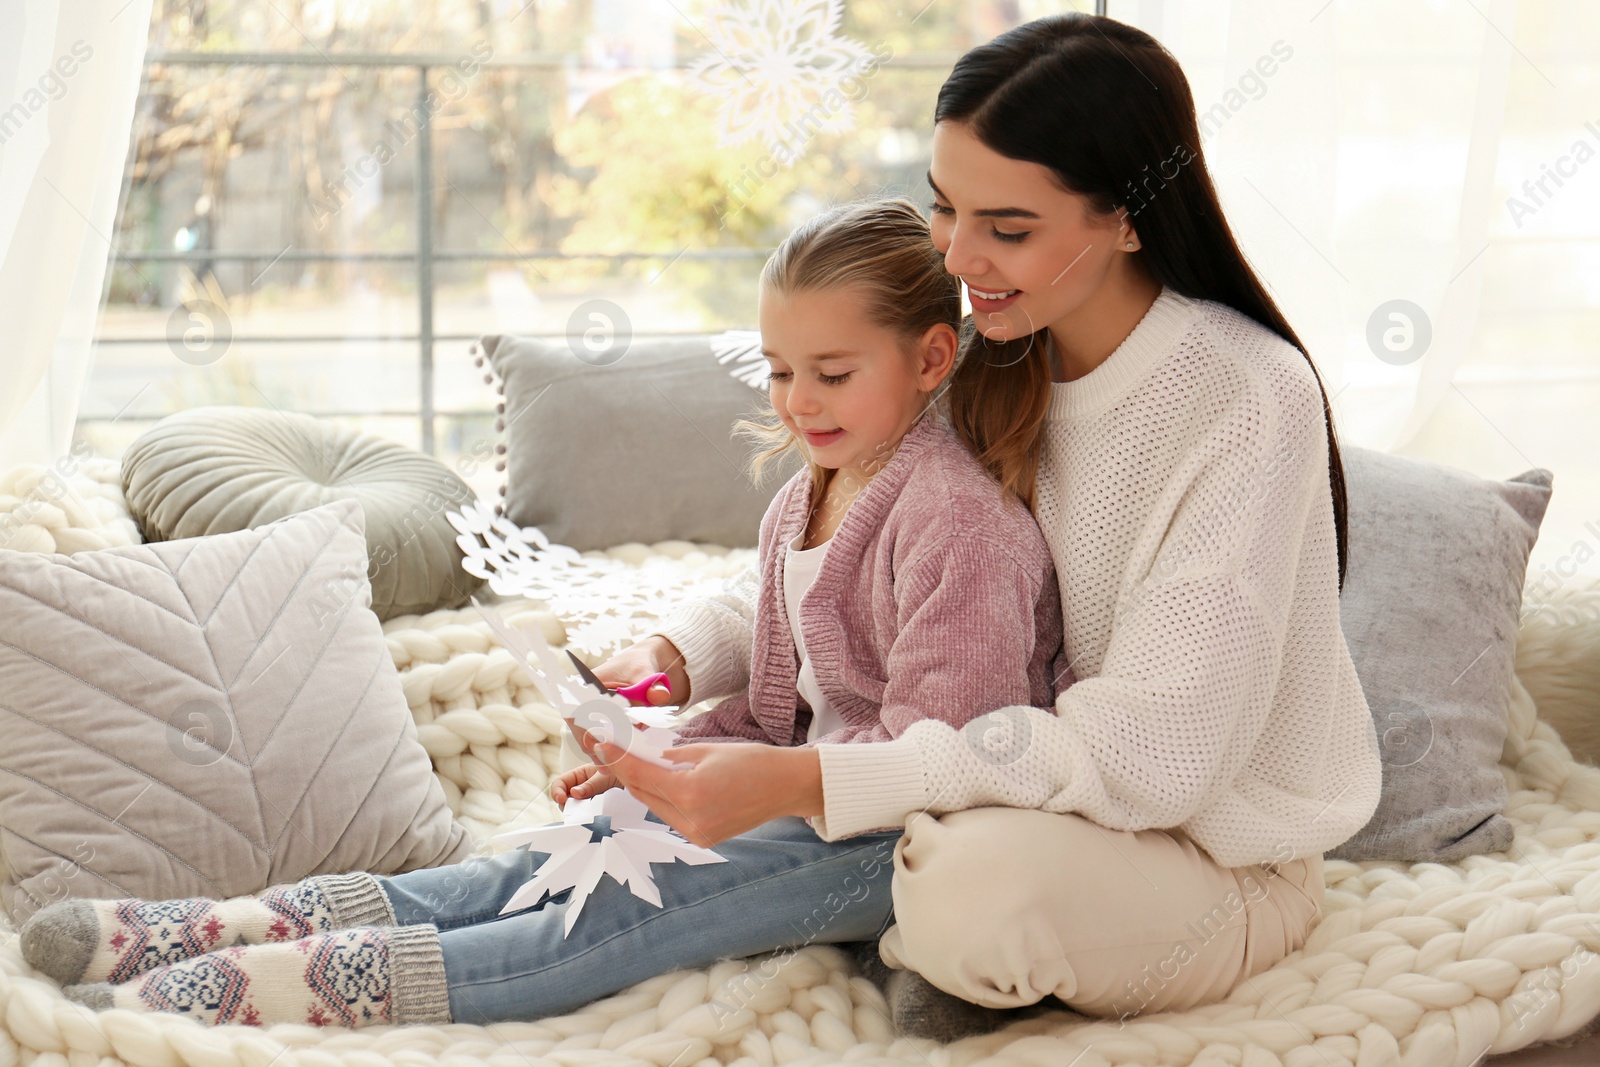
x: 937, y: 598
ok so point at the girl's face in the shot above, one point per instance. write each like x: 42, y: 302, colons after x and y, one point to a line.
x: 1031, y: 253
x: 847, y: 388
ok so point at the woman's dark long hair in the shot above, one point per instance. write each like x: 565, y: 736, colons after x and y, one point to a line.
x: 1107, y: 109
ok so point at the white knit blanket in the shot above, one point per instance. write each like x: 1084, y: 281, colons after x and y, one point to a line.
x: 1424, y: 965
x: 70, y: 507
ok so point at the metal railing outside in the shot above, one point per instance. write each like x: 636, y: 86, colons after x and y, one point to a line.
x: 424, y: 255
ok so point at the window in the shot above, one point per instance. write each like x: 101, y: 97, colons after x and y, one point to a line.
x: 327, y: 202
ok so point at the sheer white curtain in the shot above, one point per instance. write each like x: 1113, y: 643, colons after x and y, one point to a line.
x: 69, y: 75
x: 1369, y: 152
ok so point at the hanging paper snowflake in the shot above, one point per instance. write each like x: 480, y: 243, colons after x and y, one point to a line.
x: 607, y: 834
x: 772, y: 64
x: 743, y: 349
x: 606, y: 604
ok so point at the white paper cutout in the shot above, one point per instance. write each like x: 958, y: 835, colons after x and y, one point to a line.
x: 608, y: 717
x: 605, y: 603
x: 772, y: 62
x: 577, y: 860
x: 743, y: 349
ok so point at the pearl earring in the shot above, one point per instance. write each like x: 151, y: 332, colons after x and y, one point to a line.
x: 1129, y: 246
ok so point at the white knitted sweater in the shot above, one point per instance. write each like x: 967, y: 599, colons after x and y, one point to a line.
x: 1183, y: 491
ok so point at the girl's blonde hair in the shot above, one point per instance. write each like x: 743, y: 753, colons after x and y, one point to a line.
x: 879, y: 248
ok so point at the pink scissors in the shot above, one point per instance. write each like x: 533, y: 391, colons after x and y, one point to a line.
x: 636, y: 691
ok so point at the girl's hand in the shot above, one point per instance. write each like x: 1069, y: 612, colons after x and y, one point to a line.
x: 582, y: 783
x: 729, y: 788
x: 642, y: 659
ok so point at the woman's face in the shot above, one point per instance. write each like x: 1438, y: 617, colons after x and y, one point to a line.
x: 1008, y: 230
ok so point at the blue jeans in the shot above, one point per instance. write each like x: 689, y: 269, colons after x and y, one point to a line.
x: 782, y: 886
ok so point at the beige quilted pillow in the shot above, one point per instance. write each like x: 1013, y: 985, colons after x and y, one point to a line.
x: 190, y: 719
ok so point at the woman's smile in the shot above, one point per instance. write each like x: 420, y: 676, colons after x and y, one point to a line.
x: 991, y: 301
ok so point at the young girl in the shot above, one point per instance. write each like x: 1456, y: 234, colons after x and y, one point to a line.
x: 1216, y: 740
x: 897, y: 581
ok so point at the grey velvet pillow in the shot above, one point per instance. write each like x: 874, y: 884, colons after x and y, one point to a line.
x: 1432, y: 595
x: 637, y: 449
x: 183, y: 719
x: 222, y: 469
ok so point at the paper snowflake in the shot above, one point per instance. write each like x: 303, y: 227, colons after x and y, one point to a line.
x: 743, y: 349
x: 772, y: 62
x: 605, y: 603
x: 644, y: 731
x: 607, y: 834
x: 604, y: 835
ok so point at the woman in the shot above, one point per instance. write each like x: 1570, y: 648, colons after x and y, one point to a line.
x: 1150, y: 841
x: 1160, y: 837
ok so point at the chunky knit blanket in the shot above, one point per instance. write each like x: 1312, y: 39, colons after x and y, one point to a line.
x: 1423, y: 964
x: 73, y: 506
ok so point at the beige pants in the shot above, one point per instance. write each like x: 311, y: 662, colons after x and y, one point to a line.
x: 1005, y: 906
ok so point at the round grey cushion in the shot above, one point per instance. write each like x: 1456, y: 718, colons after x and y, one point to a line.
x: 223, y: 469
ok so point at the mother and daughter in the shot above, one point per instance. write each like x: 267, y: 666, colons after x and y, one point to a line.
x: 1037, y: 687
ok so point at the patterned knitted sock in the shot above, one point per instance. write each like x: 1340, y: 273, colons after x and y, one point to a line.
x: 366, y: 976
x: 87, y: 941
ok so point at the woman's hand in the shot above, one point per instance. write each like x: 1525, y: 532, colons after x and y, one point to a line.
x: 582, y: 783
x: 729, y: 787
x: 640, y: 660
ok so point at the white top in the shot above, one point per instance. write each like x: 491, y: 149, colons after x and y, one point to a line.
x: 799, y: 571
x: 1183, y: 489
